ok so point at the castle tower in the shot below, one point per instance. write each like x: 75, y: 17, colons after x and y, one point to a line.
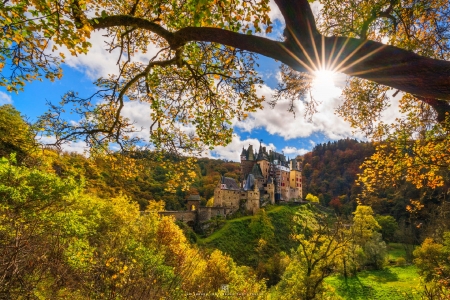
x: 247, y: 163
x: 295, y: 178
x: 243, y: 155
x: 271, y: 190
x: 253, y: 197
x: 263, y: 162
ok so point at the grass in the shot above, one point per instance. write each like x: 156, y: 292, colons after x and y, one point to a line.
x: 395, y: 251
x: 393, y: 283
x: 236, y: 239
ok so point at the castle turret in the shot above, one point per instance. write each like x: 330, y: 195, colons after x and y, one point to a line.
x: 251, y: 154
x: 243, y: 154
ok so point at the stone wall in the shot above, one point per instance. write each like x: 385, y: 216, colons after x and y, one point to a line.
x: 183, y: 216
x: 206, y: 213
x: 201, y: 214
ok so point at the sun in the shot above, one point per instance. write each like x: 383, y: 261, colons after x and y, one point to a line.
x: 323, y: 79
x: 323, y: 87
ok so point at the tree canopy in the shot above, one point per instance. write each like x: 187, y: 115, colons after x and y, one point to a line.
x: 201, y: 73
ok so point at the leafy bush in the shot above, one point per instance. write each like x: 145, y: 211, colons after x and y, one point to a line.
x: 57, y: 242
x: 400, y: 262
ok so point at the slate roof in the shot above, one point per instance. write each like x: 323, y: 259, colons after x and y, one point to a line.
x: 230, y: 183
x: 256, y: 171
x: 194, y: 197
x: 249, y: 183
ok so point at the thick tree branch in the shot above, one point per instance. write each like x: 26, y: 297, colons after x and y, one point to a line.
x: 305, y: 50
x: 127, y: 20
x: 442, y: 108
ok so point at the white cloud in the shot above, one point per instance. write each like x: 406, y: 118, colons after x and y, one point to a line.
x: 77, y: 147
x: 139, y: 113
x: 316, y: 7
x: 98, y: 62
x: 5, y: 98
x: 293, y: 151
x: 275, y: 13
x: 279, y: 121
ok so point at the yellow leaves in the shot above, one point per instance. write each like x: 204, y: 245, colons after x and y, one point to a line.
x: 17, y: 38
x: 414, y: 206
x: 123, y: 269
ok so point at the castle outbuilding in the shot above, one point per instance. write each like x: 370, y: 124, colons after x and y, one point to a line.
x: 267, y: 177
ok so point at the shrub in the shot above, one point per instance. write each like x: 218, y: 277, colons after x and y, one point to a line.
x: 400, y: 262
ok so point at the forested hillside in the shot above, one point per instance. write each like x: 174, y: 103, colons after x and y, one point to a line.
x: 142, y: 176
x: 330, y: 171
x: 148, y: 181
x: 72, y: 226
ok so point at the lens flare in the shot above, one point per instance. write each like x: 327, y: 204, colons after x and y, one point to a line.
x: 323, y: 80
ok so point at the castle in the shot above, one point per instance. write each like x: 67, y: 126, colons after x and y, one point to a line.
x: 266, y: 177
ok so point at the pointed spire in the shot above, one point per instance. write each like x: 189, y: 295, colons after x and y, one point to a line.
x: 243, y: 154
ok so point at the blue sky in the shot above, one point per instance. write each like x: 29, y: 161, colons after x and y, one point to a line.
x: 278, y: 128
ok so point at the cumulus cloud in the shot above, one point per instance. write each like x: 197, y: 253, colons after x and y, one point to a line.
x: 279, y: 121
x: 5, y: 98
x: 275, y: 13
x: 98, y: 62
x: 77, y: 147
x: 293, y: 151
x: 139, y: 113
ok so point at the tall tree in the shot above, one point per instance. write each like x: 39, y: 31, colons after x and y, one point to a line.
x: 322, y: 244
x: 203, y: 73
x: 16, y: 136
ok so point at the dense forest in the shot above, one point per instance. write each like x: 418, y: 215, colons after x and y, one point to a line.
x: 86, y: 227
x: 330, y: 171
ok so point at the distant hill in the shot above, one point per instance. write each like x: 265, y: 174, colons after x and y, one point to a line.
x: 330, y: 170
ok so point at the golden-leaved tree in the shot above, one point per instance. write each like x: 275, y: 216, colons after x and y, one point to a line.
x: 56, y: 242
x: 203, y: 74
x: 322, y: 246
